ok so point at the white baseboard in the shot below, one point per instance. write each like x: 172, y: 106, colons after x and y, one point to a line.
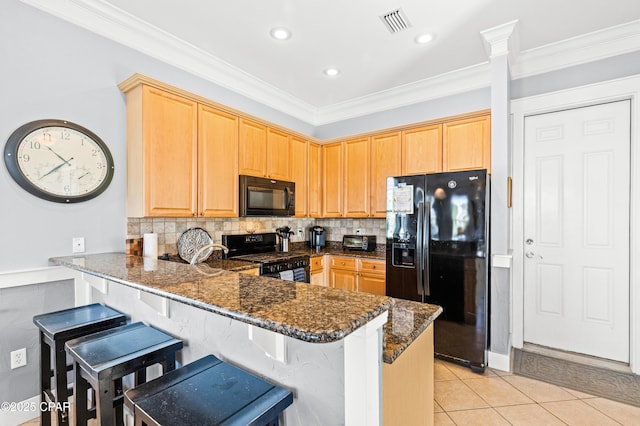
x: 499, y: 361
x: 29, y: 410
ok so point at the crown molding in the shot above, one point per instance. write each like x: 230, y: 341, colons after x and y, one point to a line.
x: 115, y: 24
x: 613, y: 41
x: 448, y: 84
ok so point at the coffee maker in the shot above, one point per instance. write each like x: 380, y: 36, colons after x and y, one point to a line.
x: 317, y: 237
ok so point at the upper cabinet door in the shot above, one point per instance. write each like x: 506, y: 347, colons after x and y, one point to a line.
x: 332, y: 180
x: 299, y: 155
x: 315, y: 181
x: 467, y: 144
x: 278, y: 155
x: 422, y: 150
x: 169, y: 153
x: 217, y: 163
x: 252, y: 148
x: 386, y: 160
x: 357, y: 163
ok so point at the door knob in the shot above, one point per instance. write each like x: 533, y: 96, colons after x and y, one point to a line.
x: 529, y: 241
x: 529, y: 254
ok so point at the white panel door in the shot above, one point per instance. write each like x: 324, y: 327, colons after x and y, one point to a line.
x: 576, y: 215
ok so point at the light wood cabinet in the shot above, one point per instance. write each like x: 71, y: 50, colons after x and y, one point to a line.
x: 162, y: 141
x: 357, y: 274
x: 386, y: 160
x: 343, y: 273
x: 357, y: 169
x: 263, y: 152
x: 422, y: 150
x: 316, y: 268
x: 466, y: 144
x: 332, y: 180
x: 278, y: 155
x: 372, y: 276
x: 217, y: 165
x: 299, y: 173
x: 407, y: 384
x: 252, y: 148
x: 172, y: 143
x: 315, y: 181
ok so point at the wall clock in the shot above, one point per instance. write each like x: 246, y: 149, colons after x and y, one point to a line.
x: 58, y: 161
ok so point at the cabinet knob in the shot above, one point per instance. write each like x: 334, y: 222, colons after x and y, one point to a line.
x: 373, y: 267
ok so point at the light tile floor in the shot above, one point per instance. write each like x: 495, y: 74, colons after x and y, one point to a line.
x: 463, y: 397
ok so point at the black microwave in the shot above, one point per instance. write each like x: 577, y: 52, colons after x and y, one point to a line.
x: 266, y: 197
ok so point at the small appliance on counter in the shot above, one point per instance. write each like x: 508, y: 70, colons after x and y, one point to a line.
x: 317, y: 238
x: 359, y: 242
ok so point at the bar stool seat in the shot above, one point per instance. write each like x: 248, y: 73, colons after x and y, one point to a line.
x: 56, y: 328
x: 102, y: 359
x: 207, y: 392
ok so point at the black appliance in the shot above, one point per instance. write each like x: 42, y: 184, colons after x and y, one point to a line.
x: 359, y: 242
x: 261, y: 249
x: 266, y: 197
x: 317, y: 237
x: 437, y: 250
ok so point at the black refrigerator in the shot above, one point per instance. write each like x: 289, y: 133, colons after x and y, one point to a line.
x: 437, y: 249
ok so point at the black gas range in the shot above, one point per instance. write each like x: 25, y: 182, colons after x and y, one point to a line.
x: 261, y: 249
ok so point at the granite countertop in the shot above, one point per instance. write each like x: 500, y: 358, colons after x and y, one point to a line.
x: 407, y: 319
x: 306, y: 312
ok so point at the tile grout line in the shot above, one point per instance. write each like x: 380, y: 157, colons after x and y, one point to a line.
x: 533, y: 402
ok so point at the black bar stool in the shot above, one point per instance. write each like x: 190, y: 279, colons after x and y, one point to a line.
x: 102, y: 359
x: 56, y: 328
x: 207, y: 392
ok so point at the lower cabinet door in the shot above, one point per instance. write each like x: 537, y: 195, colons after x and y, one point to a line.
x: 346, y: 280
x: 372, y: 283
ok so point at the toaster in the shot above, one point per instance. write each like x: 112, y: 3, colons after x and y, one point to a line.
x: 359, y: 242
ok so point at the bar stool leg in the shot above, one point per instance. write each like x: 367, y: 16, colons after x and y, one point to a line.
x: 80, y: 388
x: 62, y: 393
x: 45, y: 378
x: 104, y: 401
x: 118, y: 391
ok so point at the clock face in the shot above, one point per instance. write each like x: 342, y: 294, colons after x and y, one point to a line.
x: 59, y: 161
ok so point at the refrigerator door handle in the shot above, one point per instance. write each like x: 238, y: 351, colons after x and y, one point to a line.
x: 426, y: 238
x: 419, y: 251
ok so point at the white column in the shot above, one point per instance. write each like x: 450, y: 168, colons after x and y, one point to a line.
x: 363, y: 374
x: 501, y: 44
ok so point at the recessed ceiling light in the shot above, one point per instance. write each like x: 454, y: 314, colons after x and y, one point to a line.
x: 332, y: 72
x: 280, y: 33
x: 424, y: 38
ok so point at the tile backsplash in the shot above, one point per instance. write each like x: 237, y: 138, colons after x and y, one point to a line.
x: 169, y: 229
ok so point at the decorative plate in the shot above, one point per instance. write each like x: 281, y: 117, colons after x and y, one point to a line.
x: 190, y: 241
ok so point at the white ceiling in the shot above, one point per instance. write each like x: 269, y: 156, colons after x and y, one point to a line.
x: 228, y: 42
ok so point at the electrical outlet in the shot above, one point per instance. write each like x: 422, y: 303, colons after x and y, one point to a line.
x: 19, y: 358
x: 77, y: 244
x: 300, y: 233
x: 358, y: 231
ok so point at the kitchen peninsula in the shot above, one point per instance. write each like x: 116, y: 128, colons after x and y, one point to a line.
x: 324, y: 344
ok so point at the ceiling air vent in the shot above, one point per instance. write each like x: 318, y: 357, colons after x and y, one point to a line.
x: 395, y: 21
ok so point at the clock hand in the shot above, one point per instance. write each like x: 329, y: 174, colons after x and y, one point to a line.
x: 58, y: 155
x: 83, y: 175
x: 56, y: 168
